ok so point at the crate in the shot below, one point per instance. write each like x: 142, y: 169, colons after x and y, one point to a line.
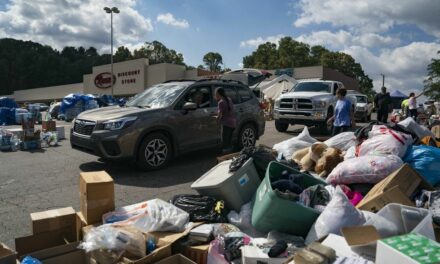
x: 235, y: 189
x: 271, y: 212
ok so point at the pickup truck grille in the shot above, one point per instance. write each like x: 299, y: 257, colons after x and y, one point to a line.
x: 296, y: 104
x: 83, y: 127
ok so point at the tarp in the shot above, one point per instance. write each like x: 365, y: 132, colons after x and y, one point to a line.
x: 275, y: 88
x: 8, y: 102
x: 7, y: 116
x: 398, y: 94
x: 72, y: 99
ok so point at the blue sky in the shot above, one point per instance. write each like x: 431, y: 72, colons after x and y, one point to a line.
x: 396, y: 37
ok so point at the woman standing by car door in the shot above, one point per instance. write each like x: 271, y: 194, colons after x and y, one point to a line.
x: 226, y: 117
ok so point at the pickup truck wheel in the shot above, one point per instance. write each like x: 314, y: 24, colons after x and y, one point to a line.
x: 155, y: 152
x: 281, y: 126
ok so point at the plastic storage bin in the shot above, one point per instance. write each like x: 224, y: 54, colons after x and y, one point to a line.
x: 235, y: 188
x: 271, y: 212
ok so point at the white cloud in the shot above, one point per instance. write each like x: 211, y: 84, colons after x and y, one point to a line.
x: 372, y: 15
x: 404, y: 67
x: 253, y: 43
x: 240, y: 65
x: 74, y: 23
x: 169, y: 19
x: 342, y: 39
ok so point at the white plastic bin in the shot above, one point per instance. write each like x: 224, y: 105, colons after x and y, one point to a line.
x: 235, y: 188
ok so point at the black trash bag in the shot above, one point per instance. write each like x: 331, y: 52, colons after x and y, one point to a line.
x: 201, y: 208
x: 262, y: 156
x: 241, y: 159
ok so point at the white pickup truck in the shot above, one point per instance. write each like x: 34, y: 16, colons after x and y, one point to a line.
x: 310, y: 103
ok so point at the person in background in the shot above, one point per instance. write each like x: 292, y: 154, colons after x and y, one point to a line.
x: 226, y: 117
x: 404, y: 106
x: 412, y: 105
x: 382, y: 104
x: 344, y: 114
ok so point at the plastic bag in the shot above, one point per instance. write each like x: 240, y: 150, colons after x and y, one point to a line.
x: 426, y: 160
x: 30, y: 260
x: 243, y: 220
x: 342, y: 141
x: 338, y: 213
x: 412, y: 126
x: 125, y: 240
x: 201, y: 208
x: 149, y: 216
x: 49, y: 139
x: 350, y: 153
x: 214, y: 253
x: 288, y: 147
x: 383, y: 140
x: 365, y: 169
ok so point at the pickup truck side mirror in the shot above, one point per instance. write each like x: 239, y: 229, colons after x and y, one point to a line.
x: 188, y: 106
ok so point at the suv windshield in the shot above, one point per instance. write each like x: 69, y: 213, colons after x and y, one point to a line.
x: 361, y: 99
x: 158, y: 96
x: 312, y: 87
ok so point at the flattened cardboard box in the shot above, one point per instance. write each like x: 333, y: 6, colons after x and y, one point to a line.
x: 65, y: 254
x: 28, y: 244
x: 396, y: 188
x: 7, y: 255
x: 51, y: 220
x: 97, y: 195
x: 199, y: 254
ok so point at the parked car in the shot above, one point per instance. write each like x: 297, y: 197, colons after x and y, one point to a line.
x: 43, y: 107
x: 310, y: 102
x: 165, y: 121
x: 363, y: 108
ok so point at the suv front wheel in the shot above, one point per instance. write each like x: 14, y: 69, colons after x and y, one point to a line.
x: 247, y: 137
x: 155, y: 152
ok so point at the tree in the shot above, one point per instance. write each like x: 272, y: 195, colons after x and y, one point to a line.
x: 122, y: 54
x: 432, y: 82
x: 156, y: 52
x: 212, y: 61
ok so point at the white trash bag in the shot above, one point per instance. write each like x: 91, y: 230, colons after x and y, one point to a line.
x: 150, y: 216
x: 412, y: 126
x: 365, y: 169
x: 288, y: 147
x: 342, y: 141
x: 383, y: 140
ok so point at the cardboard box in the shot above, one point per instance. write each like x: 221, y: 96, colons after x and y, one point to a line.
x: 198, y: 253
x: 7, y: 255
x: 28, y: 244
x: 164, y: 242
x: 97, y: 195
x: 49, y: 126
x: 396, y: 188
x: 339, y: 244
x: 66, y: 254
x: 80, y: 224
x: 407, y: 249
x: 51, y: 220
x: 176, y: 259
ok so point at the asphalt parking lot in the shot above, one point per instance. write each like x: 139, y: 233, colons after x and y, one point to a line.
x: 48, y: 179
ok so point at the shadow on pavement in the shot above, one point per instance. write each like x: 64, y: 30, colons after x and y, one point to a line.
x: 184, y: 169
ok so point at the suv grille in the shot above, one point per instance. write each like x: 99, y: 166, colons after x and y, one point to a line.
x: 83, y: 127
x: 295, y: 104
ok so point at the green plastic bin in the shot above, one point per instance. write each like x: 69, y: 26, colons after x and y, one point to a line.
x: 271, y: 212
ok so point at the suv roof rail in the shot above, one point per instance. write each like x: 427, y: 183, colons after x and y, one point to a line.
x: 180, y: 80
x: 219, y: 80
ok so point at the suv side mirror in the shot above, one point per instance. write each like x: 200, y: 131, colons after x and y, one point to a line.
x: 189, y: 106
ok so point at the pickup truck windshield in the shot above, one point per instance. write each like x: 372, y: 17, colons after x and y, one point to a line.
x: 361, y: 99
x: 312, y: 87
x: 158, y: 96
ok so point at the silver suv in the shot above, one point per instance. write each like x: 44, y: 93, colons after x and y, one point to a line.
x: 167, y: 120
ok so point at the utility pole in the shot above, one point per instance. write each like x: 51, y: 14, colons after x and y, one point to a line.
x: 110, y: 11
x: 383, y: 79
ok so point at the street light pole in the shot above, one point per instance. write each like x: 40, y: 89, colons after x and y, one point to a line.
x: 110, y: 11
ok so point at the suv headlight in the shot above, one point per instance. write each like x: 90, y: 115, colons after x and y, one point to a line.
x: 119, y: 123
x: 320, y: 104
x: 277, y: 103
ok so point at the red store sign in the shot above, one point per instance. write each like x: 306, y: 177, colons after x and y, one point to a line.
x: 104, y: 80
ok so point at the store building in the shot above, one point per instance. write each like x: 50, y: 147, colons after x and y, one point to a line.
x: 131, y: 77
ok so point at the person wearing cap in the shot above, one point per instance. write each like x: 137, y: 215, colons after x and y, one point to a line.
x: 382, y: 104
